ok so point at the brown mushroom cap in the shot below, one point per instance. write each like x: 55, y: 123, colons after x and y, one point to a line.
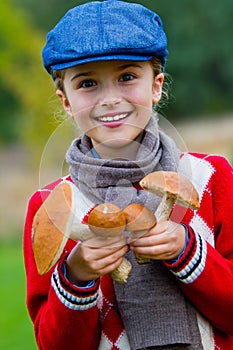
x: 175, y: 184
x: 49, y: 227
x: 107, y: 219
x: 138, y: 217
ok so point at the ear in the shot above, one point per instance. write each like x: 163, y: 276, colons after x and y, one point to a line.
x: 64, y: 101
x: 157, y: 88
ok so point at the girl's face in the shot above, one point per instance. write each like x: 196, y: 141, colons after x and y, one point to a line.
x: 111, y: 102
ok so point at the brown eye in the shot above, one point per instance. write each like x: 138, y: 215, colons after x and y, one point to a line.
x: 87, y: 84
x: 127, y: 77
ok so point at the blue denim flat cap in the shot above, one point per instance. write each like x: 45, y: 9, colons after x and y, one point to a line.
x: 105, y: 30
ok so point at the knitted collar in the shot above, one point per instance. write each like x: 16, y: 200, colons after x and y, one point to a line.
x: 152, y: 307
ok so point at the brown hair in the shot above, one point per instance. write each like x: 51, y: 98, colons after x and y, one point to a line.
x: 156, y: 66
x: 58, y: 76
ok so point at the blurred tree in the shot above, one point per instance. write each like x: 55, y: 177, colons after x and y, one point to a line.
x: 200, y: 59
x: 25, y: 89
x: 45, y: 14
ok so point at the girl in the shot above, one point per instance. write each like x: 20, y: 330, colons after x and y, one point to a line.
x: 107, y: 60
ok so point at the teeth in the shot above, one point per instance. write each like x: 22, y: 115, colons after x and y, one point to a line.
x: 114, y: 118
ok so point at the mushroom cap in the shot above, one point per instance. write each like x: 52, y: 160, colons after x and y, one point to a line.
x: 174, y: 184
x: 107, y: 219
x: 138, y: 217
x: 49, y: 226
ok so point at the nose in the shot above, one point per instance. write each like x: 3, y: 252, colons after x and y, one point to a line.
x: 110, y: 95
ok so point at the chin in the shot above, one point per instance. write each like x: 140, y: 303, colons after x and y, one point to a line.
x: 117, y: 143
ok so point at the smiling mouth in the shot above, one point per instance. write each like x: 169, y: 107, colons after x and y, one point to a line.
x: 114, y: 118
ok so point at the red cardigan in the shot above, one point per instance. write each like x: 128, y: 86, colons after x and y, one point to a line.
x: 68, y: 317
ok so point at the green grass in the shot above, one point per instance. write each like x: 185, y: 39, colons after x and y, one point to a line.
x: 16, y: 331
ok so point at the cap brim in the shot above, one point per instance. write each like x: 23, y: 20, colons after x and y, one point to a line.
x: 127, y: 57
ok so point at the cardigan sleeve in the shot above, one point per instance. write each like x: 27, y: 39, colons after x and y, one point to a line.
x: 205, y: 272
x: 64, y: 316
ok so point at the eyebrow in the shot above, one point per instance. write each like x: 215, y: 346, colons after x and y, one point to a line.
x: 82, y: 74
x: 129, y: 65
x: 123, y: 66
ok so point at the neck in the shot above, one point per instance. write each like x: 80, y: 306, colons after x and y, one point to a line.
x: 127, y: 152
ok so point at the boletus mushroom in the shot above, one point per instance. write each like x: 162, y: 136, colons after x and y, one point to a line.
x: 52, y: 226
x: 173, y: 188
x: 139, y: 219
x: 56, y: 221
x: 108, y: 220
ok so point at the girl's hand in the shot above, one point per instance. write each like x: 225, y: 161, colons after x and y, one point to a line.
x: 165, y: 241
x: 94, y: 258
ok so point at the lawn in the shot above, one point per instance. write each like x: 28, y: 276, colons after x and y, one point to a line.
x: 16, y: 331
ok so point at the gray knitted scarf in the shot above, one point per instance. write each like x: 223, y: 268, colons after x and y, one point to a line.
x: 154, y: 311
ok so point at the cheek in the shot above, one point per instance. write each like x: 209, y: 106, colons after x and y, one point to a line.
x: 142, y: 97
x: 81, y: 109
x: 143, y: 108
x: 80, y: 104
x: 84, y: 121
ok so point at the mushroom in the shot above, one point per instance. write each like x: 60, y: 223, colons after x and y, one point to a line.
x: 139, y: 219
x: 108, y: 220
x: 55, y: 222
x: 52, y: 226
x: 173, y: 188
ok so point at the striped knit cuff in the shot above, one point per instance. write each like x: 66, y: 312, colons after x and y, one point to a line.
x: 192, y: 262
x: 71, y: 296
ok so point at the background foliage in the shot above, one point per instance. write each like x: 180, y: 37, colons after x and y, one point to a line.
x: 199, y: 62
x: 24, y: 87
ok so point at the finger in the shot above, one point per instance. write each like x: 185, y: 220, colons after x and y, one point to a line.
x: 161, y: 252
x: 111, y: 267
x: 105, y: 241
x: 109, y: 261
x: 149, y: 241
x: 167, y: 245
x: 165, y: 232
x: 161, y: 227
x: 97, y: 253
x: 87, y: 263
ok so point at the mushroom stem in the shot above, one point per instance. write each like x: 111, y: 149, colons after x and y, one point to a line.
x: 121, y: 273
x: 139, y: 258
x: 165, y: 207
x: 108, y: 220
